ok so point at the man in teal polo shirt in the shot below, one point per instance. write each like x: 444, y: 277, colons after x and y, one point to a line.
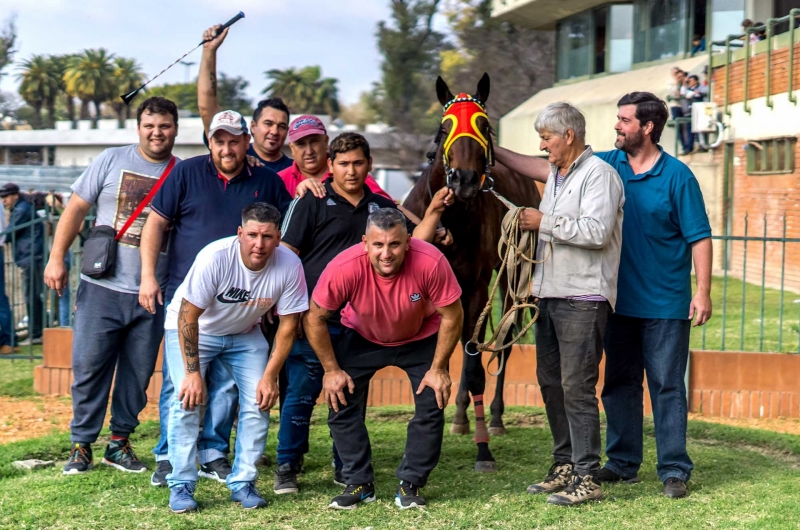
x: 666, y: 228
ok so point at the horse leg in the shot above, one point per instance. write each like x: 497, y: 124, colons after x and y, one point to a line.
x: 496, y: 427
x: 460, y: 423
x: 476, y: 384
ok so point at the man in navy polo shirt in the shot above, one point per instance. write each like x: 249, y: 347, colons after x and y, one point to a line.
x: 666, y: 228
x: 270, y: 123
x: 202, y: 202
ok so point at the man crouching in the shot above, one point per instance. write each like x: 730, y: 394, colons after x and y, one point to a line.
x: 402, y: 309
x: 214, y: 315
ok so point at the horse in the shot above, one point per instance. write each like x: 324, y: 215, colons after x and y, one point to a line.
x: 464, y: 161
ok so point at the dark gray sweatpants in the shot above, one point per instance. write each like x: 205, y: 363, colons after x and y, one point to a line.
x: 111, y: 331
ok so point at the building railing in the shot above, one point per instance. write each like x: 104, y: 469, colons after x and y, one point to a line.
x: 732, y: 41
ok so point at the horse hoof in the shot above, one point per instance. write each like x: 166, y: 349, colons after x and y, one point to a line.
x: 459, y: 428
x: 486, y: 466
x: 497, y: 431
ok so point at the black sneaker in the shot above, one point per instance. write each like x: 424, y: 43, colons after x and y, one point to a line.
x: 119, y: 454
x: 218, y: 470
x: 352, y: 495
x: 285, y: 479
x: 338, y: 479
x: 159, y: 478
x: 80, y: 459
x: 408, y: 496
x: 674, y: 488
x: 606, y: 475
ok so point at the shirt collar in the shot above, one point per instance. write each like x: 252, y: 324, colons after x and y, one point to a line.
x: 368, y: 195
x: 578, y: 161
x: 654, y: 171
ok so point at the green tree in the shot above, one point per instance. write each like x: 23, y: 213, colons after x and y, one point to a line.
x: 90, y: 77
x: 304, y: 90
x: 519, y: 61
x: 60, y: 64
x: 39, y: 87
x: 231, y: 94
x: 128, y: 76
x: 8, y: 37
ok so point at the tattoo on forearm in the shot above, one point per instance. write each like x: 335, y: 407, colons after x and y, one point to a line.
x: 324, y: 314
x: 213, y: 76
x: 190, y: 335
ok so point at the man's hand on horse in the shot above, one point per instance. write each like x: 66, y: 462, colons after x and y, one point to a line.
x: 441, y: 200
x: 333, y: 385
x: 316, y: 188
x: 443, y: 237
x: 530, y: 219
x: 439, y: 382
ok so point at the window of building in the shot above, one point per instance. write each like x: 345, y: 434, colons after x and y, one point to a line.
x: 770, y: 157
x: 620, y: 42
x: 574, y: 53
x: 726, y: 18
x: 660, y: 30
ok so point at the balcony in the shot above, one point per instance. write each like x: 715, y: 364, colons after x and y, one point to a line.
x: 540, y: 14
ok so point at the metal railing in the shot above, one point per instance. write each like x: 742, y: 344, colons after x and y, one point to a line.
x: 732, y: 41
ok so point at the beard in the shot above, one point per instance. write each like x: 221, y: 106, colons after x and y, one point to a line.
x: 630, y: 143
x: 228, y: 165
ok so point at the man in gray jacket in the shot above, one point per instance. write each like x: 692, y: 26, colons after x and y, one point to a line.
x: 580, y: 236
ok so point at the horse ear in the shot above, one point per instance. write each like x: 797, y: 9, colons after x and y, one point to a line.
x: 443, y: 92
x: 483, y: 88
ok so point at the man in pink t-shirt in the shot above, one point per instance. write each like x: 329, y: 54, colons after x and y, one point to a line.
x: 402, y: 308
x: 308, y: 140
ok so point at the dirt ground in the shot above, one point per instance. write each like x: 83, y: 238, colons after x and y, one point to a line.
x: 22, y: 418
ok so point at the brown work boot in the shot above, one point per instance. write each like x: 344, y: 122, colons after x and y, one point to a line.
x: 578, y: 491
x: 7, y: 350
x: 556, y: 480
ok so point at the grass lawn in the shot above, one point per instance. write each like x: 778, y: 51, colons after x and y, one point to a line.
x: 743, y: 479
x: 16, y: 375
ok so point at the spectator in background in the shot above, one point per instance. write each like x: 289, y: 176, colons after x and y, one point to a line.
x: 698, y: 44
x: 6, y: 331
x: 760, y: 34
x: 679, y: 108
x: 28, y: 254
x: 747, y: 23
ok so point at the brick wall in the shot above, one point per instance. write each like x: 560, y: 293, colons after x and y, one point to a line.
x: 757, y: 195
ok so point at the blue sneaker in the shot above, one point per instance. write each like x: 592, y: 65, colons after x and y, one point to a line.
x: 249, y: 497
x: 181, y: 498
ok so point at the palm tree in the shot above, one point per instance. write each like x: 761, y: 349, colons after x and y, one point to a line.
x: 127, y: 77
x: 60, y: 64
x: 90, y: 77
x: 39, y: 87
x: 304, y: 89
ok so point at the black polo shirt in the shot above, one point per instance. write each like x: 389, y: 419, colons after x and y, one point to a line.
x: 202, y: 207
x: 322, y: 228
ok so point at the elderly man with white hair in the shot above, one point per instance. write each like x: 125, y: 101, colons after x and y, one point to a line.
x: 580, y: 235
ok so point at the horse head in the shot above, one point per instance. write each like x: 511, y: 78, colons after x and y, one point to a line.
x: 464, y: 139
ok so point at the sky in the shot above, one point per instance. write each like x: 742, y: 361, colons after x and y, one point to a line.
x: 338, y: 35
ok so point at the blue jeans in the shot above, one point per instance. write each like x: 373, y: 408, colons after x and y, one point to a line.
x: 304, y: 384
x: 245, y: 358
x: 6, y: 329
x: 661, y: 348
x: 215, y: 435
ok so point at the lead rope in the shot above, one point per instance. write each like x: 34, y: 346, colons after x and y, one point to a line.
x: 516, y: 248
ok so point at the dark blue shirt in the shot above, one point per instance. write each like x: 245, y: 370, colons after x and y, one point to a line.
x: 29, y: 240
x: 276, y: 165
x: 202, y: 207
x: 664, y: 215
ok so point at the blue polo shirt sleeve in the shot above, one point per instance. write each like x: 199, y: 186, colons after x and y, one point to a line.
x: 168, y: 200
x: 691, y: 211
x: 607, y: 157
x: 274, y: 189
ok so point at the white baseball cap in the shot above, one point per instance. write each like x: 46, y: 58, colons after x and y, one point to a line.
x: 230, y: 121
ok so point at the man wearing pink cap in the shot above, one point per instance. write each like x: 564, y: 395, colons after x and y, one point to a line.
x: 308, y: 140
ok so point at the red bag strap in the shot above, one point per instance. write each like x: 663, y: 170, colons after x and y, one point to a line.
x: 142, y: 205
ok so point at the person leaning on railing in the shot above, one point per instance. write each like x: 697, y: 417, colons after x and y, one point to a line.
x: 6, y: 331
x: 28, y: 244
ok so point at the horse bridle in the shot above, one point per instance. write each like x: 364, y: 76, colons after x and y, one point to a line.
x: 462, y: 107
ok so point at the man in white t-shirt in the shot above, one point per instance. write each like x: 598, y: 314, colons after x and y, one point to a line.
x: 214, y: 315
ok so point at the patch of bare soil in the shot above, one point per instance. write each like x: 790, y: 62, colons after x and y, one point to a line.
x: 782, y: 425
x: 23, y: 418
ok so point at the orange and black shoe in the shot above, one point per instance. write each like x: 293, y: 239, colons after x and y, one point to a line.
x: 352, y: 495
x: 119, y: 454
x: 80, y: 459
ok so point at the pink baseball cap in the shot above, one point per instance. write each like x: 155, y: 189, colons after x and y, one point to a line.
x: 305, y: 125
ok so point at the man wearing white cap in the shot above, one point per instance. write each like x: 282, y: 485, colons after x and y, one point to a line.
x: 202, y: 202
